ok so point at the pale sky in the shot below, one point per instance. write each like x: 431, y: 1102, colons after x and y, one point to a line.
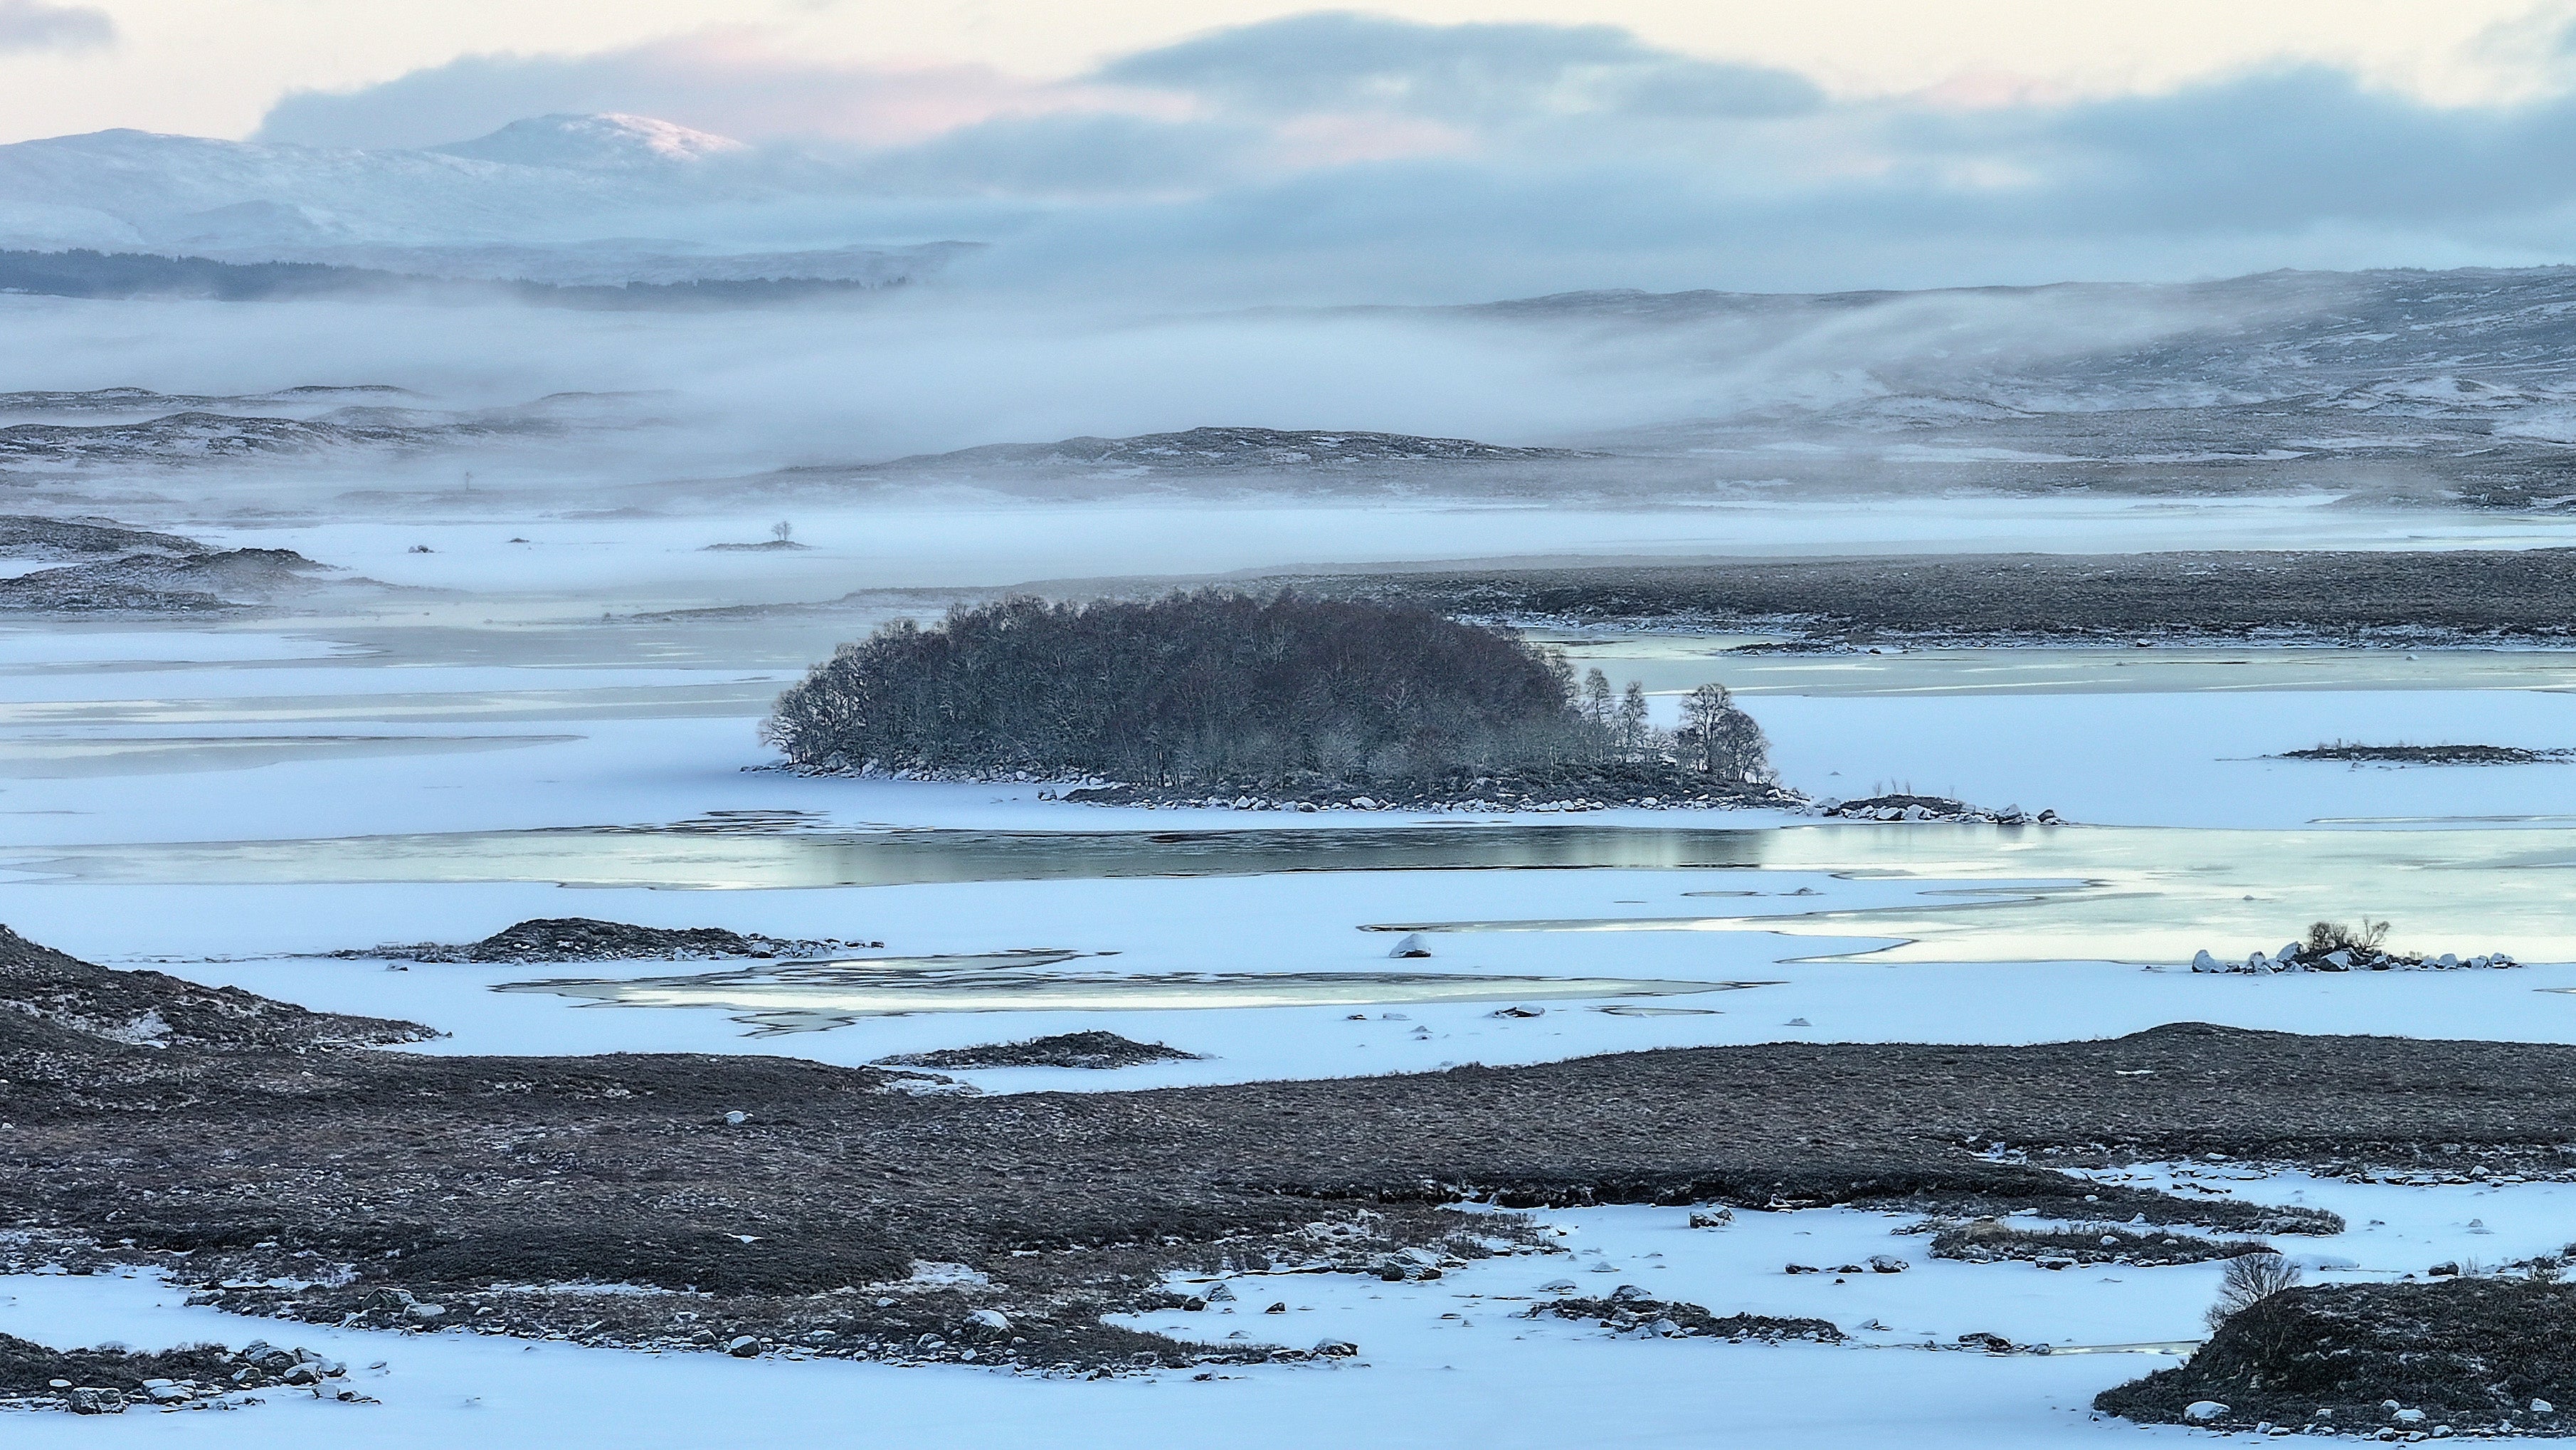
x: 215, y: 67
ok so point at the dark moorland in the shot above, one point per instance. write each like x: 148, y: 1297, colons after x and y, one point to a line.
x: 261, y: 1141
x: 2398, y: 597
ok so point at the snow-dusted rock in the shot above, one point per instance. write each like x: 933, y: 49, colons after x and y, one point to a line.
x: 2203, y: 1411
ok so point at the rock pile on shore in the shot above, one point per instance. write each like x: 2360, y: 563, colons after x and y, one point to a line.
x: 197, y: 1377
x: 1930, y: 808
x: 2297, y: 958
x: 1631, y: 1310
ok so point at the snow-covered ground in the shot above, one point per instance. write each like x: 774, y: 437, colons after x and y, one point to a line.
x: 1456, y: 1361
x: 224, y: 801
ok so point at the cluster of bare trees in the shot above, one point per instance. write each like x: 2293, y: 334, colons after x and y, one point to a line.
x: 1215, y: 687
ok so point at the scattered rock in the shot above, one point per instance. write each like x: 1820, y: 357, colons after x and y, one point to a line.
x: 1892, y: 808
x: 2427, y: 754
x: 1093, y: 1050
x: 583, y: 939
x: 1640, y: 1312
x: 1990, y: 1343
x: 2296, y: 958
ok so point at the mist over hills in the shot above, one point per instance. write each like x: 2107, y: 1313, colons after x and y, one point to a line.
x: 2389, y: 386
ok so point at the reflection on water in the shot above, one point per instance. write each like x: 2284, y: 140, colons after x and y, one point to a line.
x: 698, y: 854
x: 1983, y: 893
x: 816, y: 996
x: 61, y: 758
x: 2154, y: 895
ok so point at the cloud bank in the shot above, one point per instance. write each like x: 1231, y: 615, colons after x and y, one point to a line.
x: 33, y: 25
x: 1336, y: 156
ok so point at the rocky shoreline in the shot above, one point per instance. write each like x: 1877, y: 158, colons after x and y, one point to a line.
x: 2354, y: 958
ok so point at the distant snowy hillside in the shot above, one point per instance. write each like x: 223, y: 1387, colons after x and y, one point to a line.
x: 530, y: 201
x: 1221, y: 448
x: 595, y: 143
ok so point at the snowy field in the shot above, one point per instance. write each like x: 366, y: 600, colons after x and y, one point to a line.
x: 228, y: 802
x: 1449, y: 1362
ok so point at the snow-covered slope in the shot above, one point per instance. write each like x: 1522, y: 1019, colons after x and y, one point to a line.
x: 528, y: 202
x: 610, y: 142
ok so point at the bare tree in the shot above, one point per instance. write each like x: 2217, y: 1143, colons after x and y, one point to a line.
x: 782, y: 531
x: 1632, y: 718
x: 1598, y: 703
x: 1721, y: 740
x: 2250, y: 1279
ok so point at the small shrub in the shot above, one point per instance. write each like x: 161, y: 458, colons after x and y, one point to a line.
x: 2330, y: 936
x: 2250, y: 1279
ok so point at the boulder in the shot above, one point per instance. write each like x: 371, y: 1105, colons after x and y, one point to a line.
x: 2203, y: 1411
x: 95, y: 1400
x: 745, y: 1346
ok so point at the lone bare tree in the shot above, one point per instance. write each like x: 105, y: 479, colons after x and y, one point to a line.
x: 1724, y: 741
x: 1632, y: 718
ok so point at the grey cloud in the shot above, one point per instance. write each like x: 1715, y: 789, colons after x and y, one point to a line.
x: 693, y: 83
x: 1339, y: 60
x: 1580, y: 157
x: 1069, y: 156
x: 35, y: 25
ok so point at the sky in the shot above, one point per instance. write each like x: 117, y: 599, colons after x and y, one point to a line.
x: 1428, y: 150
x: 217, y: 67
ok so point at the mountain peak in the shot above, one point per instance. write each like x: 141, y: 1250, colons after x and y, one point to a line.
x: 590, y: 142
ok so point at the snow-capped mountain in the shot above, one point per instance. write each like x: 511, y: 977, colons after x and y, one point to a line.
x: 527, y: 202
x: 609, y: 142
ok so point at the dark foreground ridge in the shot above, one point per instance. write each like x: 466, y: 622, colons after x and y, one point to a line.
x: 264, y: 1156
x: 586, y: 939
x: 2349, y: 595
x: 2466, y: 1354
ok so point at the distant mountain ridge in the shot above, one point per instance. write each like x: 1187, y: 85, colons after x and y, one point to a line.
x: 1201, y: 449
x: 568, y: 199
